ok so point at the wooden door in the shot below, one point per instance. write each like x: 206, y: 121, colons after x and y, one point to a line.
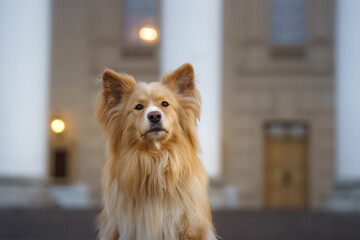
x: 285, y: 166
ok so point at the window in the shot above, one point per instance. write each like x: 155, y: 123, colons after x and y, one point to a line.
x: 288, y: 27
x: 141, y: 22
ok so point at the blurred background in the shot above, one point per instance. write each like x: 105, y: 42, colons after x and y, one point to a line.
x: 280, y: 119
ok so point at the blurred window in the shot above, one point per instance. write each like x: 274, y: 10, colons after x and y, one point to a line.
x: 141, y: 22
x: 288, y: 22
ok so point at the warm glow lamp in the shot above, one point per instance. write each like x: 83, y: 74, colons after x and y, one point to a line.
x: 57, y: 125
x: 148, y: 34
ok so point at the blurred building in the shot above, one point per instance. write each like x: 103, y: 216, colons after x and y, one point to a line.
x: 276, y: 96
x: 278, y: 106
x: 277, y: 88
x: 89, y: 36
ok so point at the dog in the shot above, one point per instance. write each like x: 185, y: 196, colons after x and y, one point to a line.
x: 154, y: 184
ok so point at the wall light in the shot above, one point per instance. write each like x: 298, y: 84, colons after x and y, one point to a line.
x: 148, y: 34
x: 57, y: 125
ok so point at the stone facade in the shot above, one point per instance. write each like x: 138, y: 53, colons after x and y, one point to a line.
x: 258, y: 87
x: 87, y: 38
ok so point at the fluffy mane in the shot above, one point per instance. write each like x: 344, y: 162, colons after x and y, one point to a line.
x: 150, y: 183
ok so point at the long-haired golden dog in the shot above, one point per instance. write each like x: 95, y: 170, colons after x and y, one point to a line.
x: 155, y: 186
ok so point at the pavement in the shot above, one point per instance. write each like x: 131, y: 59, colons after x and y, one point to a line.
x: 60, y: 224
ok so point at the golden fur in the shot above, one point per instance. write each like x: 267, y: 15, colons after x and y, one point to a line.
x: 155, y: 186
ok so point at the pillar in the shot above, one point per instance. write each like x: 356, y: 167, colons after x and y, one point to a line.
x: 191, y: 31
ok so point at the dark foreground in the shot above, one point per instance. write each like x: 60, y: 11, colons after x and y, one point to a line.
x: 246, y: 225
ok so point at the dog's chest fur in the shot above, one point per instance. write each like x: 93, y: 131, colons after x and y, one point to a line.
x: 148, y: 220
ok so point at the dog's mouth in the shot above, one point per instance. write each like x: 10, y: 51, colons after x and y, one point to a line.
x: 154, y: 130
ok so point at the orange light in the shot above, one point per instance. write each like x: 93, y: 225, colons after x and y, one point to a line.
x: 148, y: 34
x: 57, y: 125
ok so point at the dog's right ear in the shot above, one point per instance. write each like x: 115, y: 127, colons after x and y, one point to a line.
x: 181, y: 80
x: 116, y: 85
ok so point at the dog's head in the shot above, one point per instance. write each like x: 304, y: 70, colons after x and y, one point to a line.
x: 145, y: 114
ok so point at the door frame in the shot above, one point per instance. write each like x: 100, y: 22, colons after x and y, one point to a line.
x: 287, y: 122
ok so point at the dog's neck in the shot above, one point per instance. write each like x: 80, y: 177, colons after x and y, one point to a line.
x: 156, y: 170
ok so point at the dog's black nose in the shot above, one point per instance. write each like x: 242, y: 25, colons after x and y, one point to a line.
x: 154, y: 116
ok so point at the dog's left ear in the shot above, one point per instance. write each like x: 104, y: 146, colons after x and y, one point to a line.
x: 181, y: 80
x: 116, y: 85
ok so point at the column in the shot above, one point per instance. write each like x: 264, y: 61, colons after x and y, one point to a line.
x: 348, y: 89
x: 347, y: 183
x: 191, y: 31
x: 24, y: 61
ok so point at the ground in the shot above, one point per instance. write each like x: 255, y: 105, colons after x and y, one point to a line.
x: 54, y: 223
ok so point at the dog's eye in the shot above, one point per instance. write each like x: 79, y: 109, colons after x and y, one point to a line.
x: 165, y: 104
x: 139, y: 107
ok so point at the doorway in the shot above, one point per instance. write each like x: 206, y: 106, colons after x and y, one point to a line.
x: 286, y: 165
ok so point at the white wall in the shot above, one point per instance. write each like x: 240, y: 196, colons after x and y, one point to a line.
x: 348, y: 89
x: 24, y: 48
x: 191, y: 31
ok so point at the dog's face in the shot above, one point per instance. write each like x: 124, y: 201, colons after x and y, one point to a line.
x: 151, y: 112
x: 142, y: 113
